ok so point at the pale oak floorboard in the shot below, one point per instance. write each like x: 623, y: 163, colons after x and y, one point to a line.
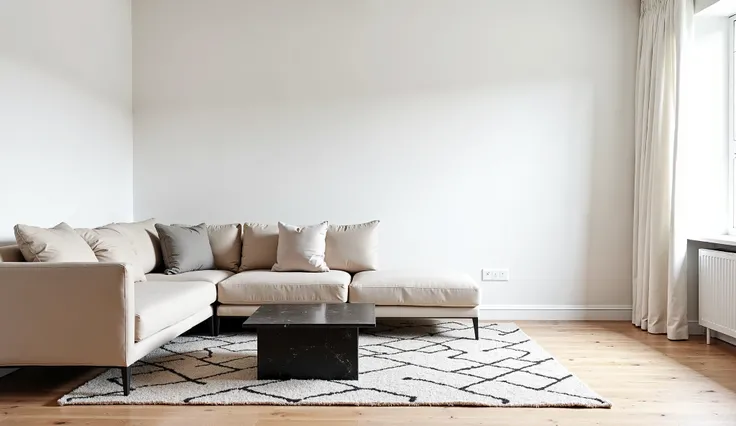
x: 650, y: 380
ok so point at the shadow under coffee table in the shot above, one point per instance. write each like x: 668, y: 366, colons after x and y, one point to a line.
x: 310, y: 341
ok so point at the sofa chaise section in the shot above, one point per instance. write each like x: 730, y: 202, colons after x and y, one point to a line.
x: 418, y: 294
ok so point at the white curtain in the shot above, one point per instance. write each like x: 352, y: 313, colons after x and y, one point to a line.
x: 659, y: 276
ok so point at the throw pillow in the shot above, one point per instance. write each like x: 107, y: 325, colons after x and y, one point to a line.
x: 111, y: 245
x: 226, y: 242
x: 185, y: 248
x: 58, y: 244
x: 352, y: 248
x: 260, y: 243
x: 301, y: 248
x: 145, y: 241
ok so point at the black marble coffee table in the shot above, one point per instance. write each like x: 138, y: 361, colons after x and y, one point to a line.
x: 310, y: 341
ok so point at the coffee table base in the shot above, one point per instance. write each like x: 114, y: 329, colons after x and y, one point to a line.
x: 327, y: 353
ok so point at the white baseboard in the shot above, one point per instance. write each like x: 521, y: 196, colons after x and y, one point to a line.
x: 556, y: 312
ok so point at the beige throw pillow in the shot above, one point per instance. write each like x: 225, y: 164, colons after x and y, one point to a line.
x: 301, y: 248
x: 352, y: 248
x: 260, y: 243
x: 111, y: 245
x: 58, y: 244
x: 145, y: 241
x: 226, y: 244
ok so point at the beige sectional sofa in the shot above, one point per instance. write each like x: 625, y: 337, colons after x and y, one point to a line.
x: 97, y: 314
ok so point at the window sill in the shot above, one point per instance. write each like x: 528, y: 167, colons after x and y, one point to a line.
x: 729, y: 240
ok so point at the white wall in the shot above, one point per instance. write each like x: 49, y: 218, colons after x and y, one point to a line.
x: 723, y: 8
x: 701, y: 5
x: 482, y: 133
x: 66, y: 150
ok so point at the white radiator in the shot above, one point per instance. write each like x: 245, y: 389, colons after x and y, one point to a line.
x: 717, y: 292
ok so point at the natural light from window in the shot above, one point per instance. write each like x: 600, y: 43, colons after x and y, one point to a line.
x: 732, y: 134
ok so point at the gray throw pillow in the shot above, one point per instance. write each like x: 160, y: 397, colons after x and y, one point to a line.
x: 185, y: 248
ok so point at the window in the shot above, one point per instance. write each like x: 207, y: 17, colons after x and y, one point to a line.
x: 731, y: 133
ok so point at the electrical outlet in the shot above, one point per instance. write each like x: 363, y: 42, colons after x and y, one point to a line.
x: 494, y: 274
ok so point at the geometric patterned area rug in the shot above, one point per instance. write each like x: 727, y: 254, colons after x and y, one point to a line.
x: 400, y: 363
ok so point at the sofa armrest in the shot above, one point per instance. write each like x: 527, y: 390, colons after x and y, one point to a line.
x: 66, y: 314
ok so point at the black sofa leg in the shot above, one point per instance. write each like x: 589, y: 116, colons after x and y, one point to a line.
x: 215, y: 322
x: 475, y: 327
x: 127, y: 373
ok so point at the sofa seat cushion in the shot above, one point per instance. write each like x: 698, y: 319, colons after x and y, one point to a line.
x: 161, y: 304
x: 256, y: 287
x: 414, y: 288
x: 211, y: 276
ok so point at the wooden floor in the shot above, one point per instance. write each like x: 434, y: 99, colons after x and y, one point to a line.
x: 650, y: 380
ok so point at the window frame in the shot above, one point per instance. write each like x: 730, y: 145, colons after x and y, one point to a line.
x: 731, y: 134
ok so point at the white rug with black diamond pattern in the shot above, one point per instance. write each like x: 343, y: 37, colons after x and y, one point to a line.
x: 401, y: 363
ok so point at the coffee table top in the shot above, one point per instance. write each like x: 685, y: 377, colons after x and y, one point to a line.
x: 313, y: 315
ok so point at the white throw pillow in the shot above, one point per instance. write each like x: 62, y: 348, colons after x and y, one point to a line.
x: 111, y: 245
x: 58, y: 244
x: 352, y: 248
x: 301, y: 248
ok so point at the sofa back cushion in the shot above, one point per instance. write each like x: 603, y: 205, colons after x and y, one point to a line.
x: 260, y: 243
x: 58, y: 244
x: 352, y: 248
x: 11, y: 254
x: 227, y: 243
x: 145, y: 241
x: 111, y: 245
x: 185, y: 248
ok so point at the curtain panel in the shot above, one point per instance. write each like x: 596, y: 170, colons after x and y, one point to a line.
x: 659, y: 239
